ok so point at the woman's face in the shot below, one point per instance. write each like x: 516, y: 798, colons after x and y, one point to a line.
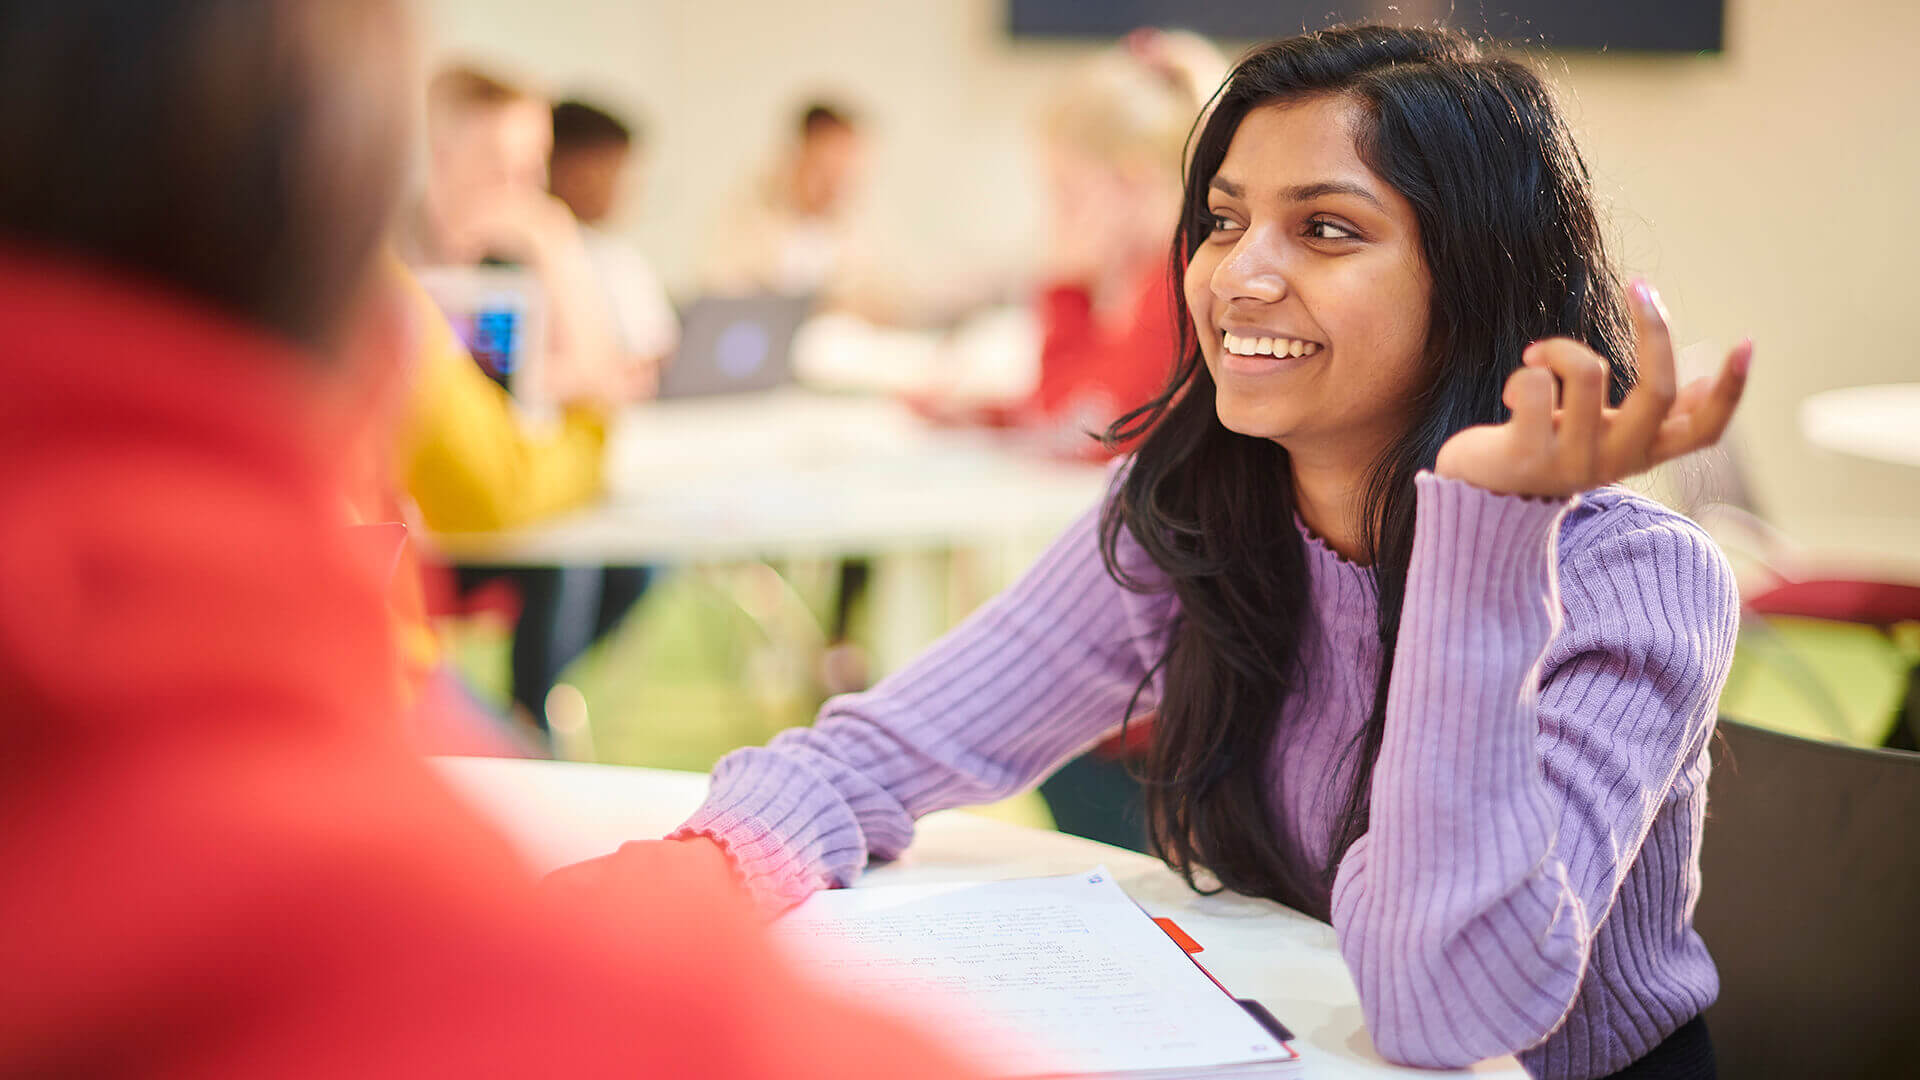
x: 1310, y: 296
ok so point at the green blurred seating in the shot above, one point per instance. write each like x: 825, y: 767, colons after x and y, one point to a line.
x: 712, y: 659
x: 1820, y: 678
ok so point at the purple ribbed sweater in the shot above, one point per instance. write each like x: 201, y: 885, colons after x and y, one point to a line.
x: 1529, y: 877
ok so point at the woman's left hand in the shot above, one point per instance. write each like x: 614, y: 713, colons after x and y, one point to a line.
x: 1563, y: 438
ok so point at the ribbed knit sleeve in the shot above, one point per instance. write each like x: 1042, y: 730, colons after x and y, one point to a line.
x: 1037, y: 674
x: 1549, y: 687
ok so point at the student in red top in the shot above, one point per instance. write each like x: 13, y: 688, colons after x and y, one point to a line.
x: 223, y: 858
x: 1112, y: 138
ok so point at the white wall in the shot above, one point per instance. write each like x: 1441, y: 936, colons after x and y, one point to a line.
x: 1767, y: 190
x: 951, y: 186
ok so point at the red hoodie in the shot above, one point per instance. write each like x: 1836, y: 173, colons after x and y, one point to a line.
x: 222, y: 859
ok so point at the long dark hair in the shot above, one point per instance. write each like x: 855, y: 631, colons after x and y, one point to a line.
x: 1514, y: 251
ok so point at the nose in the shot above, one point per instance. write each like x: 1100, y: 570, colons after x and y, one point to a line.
x: 1251, y: 271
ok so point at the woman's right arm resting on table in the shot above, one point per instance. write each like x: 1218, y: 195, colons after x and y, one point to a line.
x: 1041, y: 671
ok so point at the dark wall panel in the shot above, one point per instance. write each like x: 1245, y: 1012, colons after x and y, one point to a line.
x: 1622, y: 25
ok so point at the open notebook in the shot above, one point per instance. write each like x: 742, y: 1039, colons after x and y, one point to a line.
x: 1061, y: 976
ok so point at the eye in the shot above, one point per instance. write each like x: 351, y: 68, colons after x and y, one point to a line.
x: 1321, y: 228
x: 1220, y: 223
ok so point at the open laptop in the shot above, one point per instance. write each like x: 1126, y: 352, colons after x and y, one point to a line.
x: 734, y: 345
x: 499, y: 314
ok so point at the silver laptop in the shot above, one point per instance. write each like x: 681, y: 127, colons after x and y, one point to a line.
x: 735, y: 345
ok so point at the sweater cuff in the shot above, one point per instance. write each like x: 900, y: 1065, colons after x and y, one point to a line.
x: 774, y: 884
x: 763, y: 817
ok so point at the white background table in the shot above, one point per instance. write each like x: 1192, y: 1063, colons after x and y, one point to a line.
x: 1881, y: 423
x: 558, y: 813
x: 793, y: 472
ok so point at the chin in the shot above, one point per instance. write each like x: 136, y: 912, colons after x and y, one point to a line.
x: 1253, y: 418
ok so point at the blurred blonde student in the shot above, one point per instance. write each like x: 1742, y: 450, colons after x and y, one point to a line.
x: 486, y: 200
x: 229, y: 862
x: 1112, y: 139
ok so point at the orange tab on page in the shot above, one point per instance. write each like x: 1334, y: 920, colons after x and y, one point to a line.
x: 1179, y: 936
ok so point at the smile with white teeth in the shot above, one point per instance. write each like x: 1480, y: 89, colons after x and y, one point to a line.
x: 1269, y: 346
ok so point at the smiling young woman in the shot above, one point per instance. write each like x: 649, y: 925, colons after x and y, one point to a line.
x: 1418, y: 666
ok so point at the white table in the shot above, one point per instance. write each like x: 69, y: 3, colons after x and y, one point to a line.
x: 790, y: 473
x: 1881, y: 423
x: 558, y: 813
x: 794, y: 474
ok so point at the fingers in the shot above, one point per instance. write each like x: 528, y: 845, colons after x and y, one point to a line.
x: 1655, y: 352
x: 1702, y: 424
x: 1582, y: 377
x: 1529, y: 394
x: 1629, y: 441
x: 1693, y: 395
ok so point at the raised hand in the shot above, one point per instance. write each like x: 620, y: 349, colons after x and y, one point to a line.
x: 1563, y: 438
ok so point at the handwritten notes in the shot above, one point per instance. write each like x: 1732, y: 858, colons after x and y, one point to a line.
x: 1039, y: 976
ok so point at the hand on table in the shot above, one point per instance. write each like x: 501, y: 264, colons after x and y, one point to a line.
x: 1563, y: 438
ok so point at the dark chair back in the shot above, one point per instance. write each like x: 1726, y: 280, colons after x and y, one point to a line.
x: 1810, y: 904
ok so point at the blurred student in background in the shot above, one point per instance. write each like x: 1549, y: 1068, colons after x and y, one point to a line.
x: 593, y: 154
x: 467, y: 459
x: 792, y: 233
x: 1111, y: 139
x: 486, y: 200
x: 232, y: 864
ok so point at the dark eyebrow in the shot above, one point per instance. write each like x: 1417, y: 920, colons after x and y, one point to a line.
x: 1302, y: 192
x: 1228, y: 187
x: 1306, y: 192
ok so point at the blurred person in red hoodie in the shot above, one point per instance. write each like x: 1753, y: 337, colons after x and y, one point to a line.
x: 224, y: 860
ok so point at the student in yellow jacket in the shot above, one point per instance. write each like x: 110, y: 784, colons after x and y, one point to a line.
x: 470, y: 463
x: 465, y: 455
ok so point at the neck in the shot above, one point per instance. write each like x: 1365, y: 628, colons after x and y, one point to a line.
x: 1327, y: 493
